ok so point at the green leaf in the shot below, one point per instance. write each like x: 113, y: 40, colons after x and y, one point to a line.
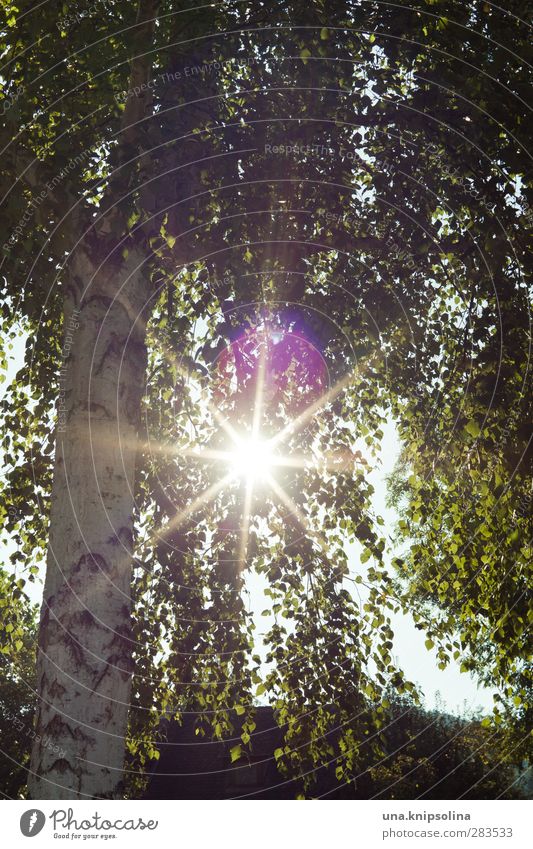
x: 473, y: 428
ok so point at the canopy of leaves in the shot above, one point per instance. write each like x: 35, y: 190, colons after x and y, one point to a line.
x: 354, y: 176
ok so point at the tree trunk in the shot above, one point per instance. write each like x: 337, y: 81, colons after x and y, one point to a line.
x: 84, y: 662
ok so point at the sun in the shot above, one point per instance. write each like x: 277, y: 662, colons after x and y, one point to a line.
x: 252, y: 459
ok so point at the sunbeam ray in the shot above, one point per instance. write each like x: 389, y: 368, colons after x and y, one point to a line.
x: 296, y: 424
x: 215, y: 412
x: 202, y: 499
x: 245, y: 523
x: 252, y: 458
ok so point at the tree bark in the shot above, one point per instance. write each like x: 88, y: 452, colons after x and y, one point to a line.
x: 84, y: 662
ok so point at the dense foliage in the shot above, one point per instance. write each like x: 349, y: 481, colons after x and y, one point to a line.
x: 353, y: 175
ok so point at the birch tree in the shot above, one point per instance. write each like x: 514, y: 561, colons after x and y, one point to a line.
x: 202, y: 199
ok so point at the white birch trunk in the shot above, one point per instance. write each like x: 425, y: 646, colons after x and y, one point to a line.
x: 84, y: 663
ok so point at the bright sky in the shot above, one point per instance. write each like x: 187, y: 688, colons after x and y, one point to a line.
x: 458, y: 691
